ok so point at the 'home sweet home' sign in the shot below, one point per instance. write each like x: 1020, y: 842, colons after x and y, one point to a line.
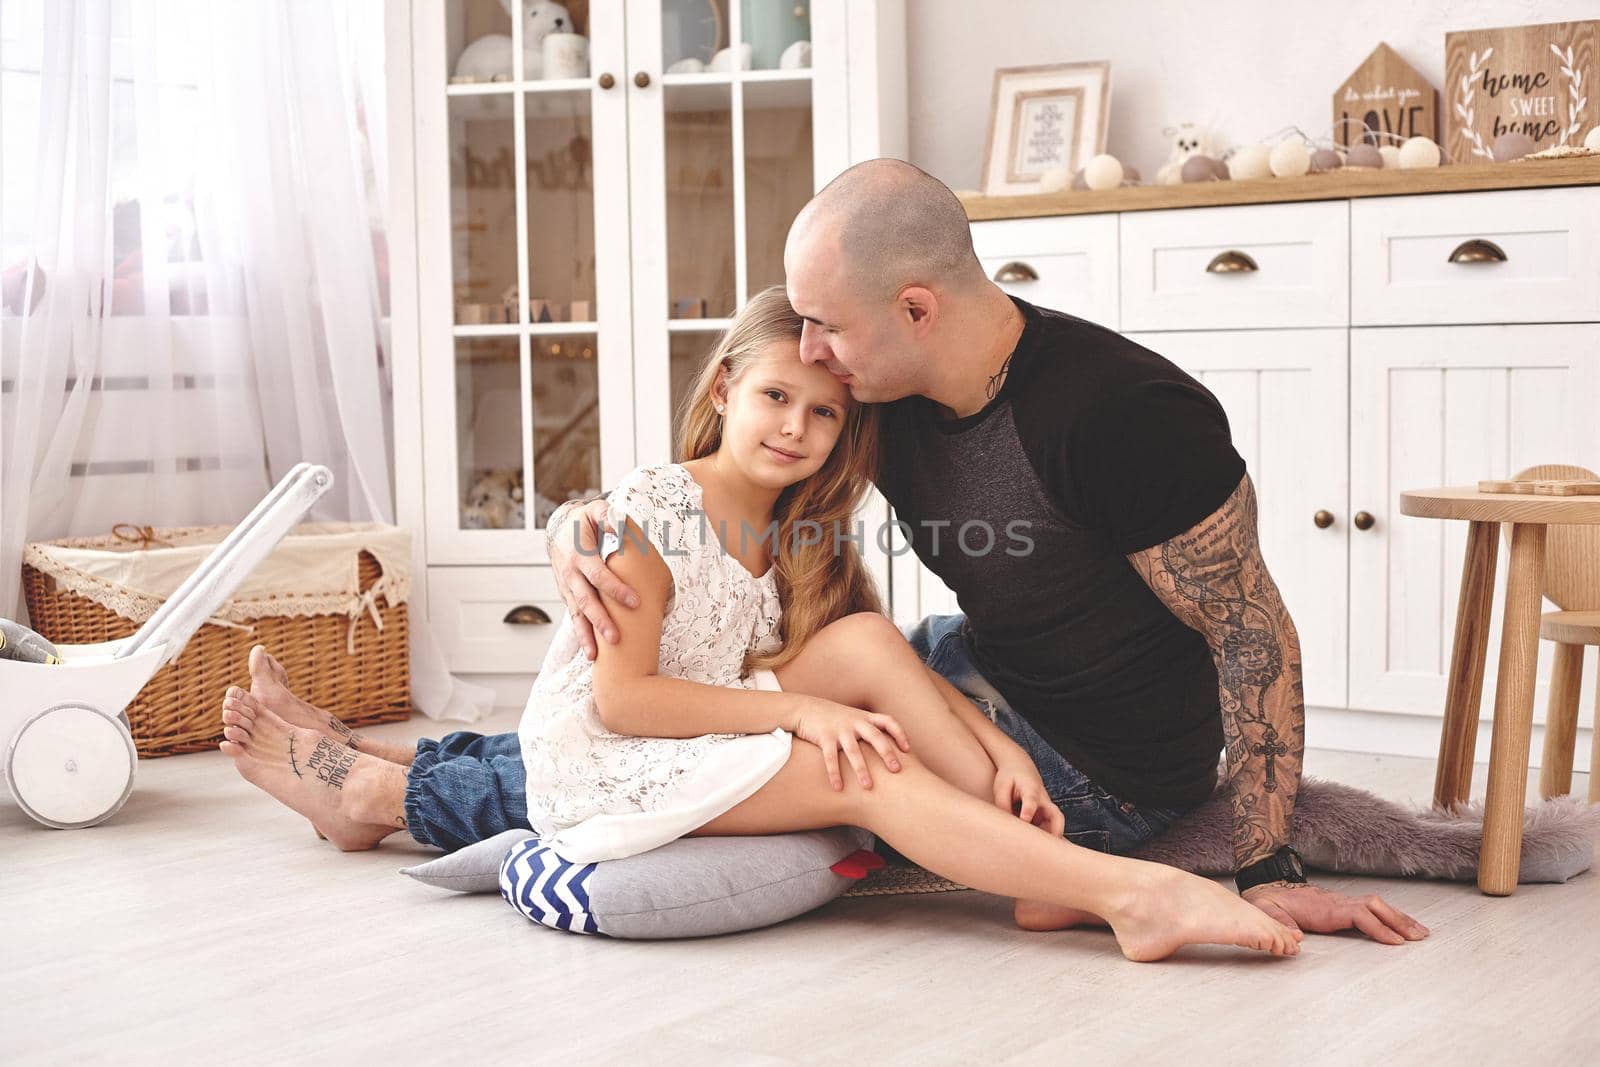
x: 1535, y: 80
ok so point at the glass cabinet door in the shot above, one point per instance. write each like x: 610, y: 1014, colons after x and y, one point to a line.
x: 523, y: 268
x: 721, y: 126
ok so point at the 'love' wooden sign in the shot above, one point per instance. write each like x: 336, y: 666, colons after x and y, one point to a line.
x: 1534, y: 80
x: 1384, y: 101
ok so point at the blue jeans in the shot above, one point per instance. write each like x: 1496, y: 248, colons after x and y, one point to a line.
x: 466, y: 787
x: 1094, y: 818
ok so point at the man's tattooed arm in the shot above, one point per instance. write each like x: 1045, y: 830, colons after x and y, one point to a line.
x: 1213, y: 578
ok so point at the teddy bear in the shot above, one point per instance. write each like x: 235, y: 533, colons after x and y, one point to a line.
x: 1188, y: 139
x: 489, y: 57
x: 495, y: 502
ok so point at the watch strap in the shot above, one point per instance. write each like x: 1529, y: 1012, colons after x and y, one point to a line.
x: 1283, y: 865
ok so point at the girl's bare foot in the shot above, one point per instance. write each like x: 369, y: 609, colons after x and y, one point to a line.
x: 1175, y: 908
x: 1040, y: 915
x: 329, y: 784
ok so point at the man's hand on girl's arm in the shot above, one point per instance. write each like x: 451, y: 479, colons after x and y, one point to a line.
x: 573, y: 540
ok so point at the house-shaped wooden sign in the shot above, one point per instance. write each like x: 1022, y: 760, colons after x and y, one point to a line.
x: 1384, y: 101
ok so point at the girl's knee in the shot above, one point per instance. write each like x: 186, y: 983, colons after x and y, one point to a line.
x: 868, y: 630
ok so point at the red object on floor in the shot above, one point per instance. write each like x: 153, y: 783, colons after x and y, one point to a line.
x: 858, y: 864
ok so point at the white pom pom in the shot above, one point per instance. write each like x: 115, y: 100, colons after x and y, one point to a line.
x: 1054, y: 180
x: 1391, y: 156
x: 1419, y: 152
x: 1103, y: 172
x: 1289, y: 159
x: 1592, y: 140
x: 1251, y: 161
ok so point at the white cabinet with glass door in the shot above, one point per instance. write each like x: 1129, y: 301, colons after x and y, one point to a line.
x: 581, y: 240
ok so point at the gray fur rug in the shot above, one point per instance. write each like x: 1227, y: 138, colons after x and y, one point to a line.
x: 1347, y: 830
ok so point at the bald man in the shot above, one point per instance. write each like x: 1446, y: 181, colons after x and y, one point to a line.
x: 1082, y: 497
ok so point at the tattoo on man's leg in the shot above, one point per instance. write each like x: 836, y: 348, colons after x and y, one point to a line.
x: 338, y: 727
x: 294, y: 764
x: 331, y: 762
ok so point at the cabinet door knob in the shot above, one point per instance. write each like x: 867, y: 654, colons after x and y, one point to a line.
x: 526, y: 615
x: 1231, y: 262
x: 607, y: 81
x: 1363, y: 520
x: 1478, y: 250
x: 1323, y: 519
x: 1014, y: 272
x: 642, y: 80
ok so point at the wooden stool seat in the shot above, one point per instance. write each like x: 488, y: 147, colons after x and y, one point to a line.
x: 1570, y: 627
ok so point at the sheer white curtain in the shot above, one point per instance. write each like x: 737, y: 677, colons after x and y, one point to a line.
x: 193, y: 273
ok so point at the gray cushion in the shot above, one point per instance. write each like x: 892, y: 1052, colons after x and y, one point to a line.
x: 474, y: 869
x: 693, y: 887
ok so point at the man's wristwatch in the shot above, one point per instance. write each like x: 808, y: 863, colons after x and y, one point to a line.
x: 1282, y: 866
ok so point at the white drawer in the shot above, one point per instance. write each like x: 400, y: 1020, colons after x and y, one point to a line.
x: 468, y: 607
x: 1401, y: 251
x: 1173, y: 277
x: 1074, y: 258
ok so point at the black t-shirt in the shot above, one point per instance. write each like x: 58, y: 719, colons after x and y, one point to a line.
x: 1094, y: 448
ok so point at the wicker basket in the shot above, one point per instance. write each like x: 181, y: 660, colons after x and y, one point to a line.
x: 180, y: 709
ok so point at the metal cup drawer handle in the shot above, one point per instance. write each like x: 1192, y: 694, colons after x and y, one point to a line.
x: 1014, y: 272
x: 526, y: 615
x: 1232, y: 261
x: 1478, y: 250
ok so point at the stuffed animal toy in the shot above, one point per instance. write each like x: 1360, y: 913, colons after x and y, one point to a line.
x: 489, y: 58
x: 1188, y: 139
x: 24, y: 645
x: 494, y: 502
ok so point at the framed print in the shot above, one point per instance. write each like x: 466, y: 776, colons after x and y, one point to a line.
x: 1041, y: 118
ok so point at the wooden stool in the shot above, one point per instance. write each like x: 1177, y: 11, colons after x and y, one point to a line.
x: 1572, y: 582
x: 1529, y: 517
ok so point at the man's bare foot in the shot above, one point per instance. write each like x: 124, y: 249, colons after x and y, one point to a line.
x: 1175, y: 908
x: 331, y: 785
x: 269, y: 683
x: 1041, y: 915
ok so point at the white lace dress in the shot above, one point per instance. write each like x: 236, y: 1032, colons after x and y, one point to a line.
x: 596, y: 795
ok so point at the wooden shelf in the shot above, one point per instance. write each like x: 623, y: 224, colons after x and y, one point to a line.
x: 1335, y: 185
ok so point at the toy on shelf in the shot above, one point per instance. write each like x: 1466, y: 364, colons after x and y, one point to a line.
x: 494, y: 501
x: 1187, y: 139
x: 489, y: 58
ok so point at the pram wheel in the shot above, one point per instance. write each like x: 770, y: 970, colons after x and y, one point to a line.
x: 71, y: 766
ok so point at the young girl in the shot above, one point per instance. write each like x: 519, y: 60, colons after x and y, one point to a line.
x: 756, y: 688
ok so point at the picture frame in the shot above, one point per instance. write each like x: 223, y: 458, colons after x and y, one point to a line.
x: 1042, y: 118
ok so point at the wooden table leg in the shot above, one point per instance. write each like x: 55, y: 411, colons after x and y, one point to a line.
x: 1499, y: 864
x: 1458, y: 740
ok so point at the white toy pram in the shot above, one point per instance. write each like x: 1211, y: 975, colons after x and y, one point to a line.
x: 70, y: 759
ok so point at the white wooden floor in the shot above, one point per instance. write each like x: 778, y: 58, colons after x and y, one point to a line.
x: 204, y: 923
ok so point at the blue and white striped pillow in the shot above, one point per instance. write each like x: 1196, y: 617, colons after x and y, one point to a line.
x: 547, y: 889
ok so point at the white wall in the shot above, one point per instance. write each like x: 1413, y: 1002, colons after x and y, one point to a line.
x: 1250, y: 66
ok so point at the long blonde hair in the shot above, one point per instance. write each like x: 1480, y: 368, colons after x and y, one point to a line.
x: 817, y: 583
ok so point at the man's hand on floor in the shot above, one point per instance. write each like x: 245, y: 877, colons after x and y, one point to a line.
x: 1322, y: 911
